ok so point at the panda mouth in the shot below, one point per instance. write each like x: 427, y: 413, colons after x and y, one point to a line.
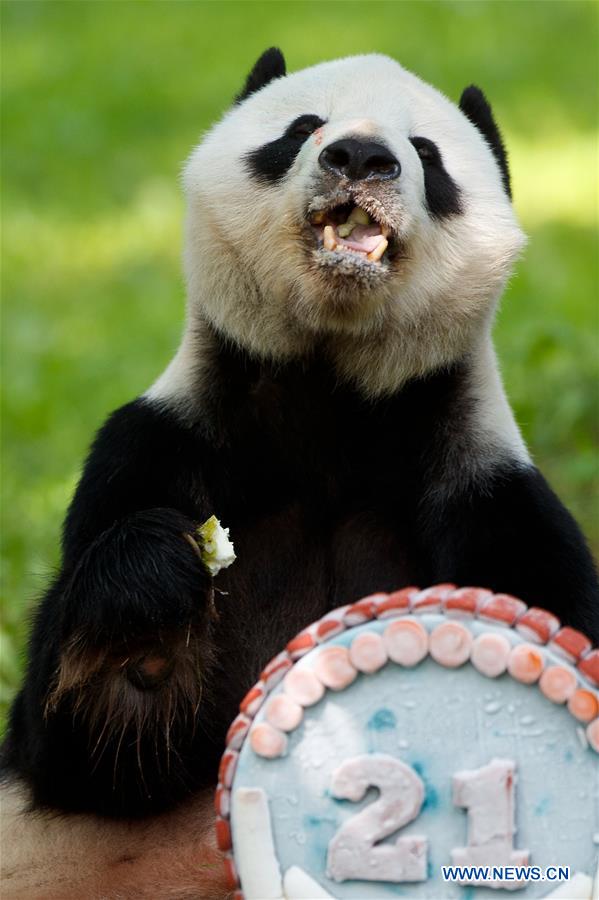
x: 348, y: 229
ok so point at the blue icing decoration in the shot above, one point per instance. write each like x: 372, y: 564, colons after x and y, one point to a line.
x: 317, y: 821
x: 568, y: 756
x: 542, y: 806
x: 383, y: 718
x: 431, y: 795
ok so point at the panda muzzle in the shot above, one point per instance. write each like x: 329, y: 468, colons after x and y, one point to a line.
x: 347, y: 228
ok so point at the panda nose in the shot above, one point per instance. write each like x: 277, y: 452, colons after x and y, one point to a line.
x: 359, y: 160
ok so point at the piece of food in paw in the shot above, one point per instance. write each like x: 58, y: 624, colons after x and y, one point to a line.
x: 216, y: 549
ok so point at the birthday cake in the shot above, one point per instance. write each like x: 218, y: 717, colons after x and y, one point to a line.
x: 432, y: 743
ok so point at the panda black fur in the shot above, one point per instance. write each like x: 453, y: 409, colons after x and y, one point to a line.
x: 345, y: 418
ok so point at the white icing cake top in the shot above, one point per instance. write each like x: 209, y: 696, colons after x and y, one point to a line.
x: 479, y: 768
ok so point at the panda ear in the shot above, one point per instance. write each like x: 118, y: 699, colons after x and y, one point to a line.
x: 476, y: 107
x: 270, y: 65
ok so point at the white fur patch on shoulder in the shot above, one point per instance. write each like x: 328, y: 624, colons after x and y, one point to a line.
x: 494, y: 417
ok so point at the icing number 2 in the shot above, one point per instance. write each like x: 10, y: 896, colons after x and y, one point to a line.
x: 487, y: 793
x: 352, y: 852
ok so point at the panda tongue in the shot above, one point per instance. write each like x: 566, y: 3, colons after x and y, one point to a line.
x: 364, y: 238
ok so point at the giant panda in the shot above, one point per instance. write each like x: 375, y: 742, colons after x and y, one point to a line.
x: 335, y: 401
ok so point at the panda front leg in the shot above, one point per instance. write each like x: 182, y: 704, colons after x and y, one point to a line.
x: 508, y: 531
x: 120, y: 653
x: 121, y: 648
x: 487, y: 517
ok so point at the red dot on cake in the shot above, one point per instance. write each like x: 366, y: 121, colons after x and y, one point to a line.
x: 334, y: 668
x: 367, y: 652
x: 584, y: 705
x: 359, y: 612
x: 267, y: 741
x: 328, y: 628
x: 227, y: 767
x: 223, y: 834
x: 537, y: 625
x: 489, y: 654
x: 396, y: 603
x: 406, y: 642
x: 465, y: 602
x: 589, y: 666
x: 558, y: 683
x: 301, y: 644
x: 284, y: 713
x: 237, y: 731
x: 303, y: 686
x: 525, y: 663
x: 253, y: 700
x: 570, y: 643
x: 275, y: 670
x: 502, y: 608
x: 430, y: 599
x: 450, y: 644
x: 230, y: 872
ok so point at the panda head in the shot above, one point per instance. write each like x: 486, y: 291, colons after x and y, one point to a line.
x: 350, y: 205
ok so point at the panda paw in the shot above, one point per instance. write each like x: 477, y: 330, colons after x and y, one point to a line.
x: 139, y: 577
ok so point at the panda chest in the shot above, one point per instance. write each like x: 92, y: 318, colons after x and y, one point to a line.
x: 321, y: 501
x: 323, y: 543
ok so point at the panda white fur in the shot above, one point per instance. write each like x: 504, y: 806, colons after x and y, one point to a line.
x: 343, y: 415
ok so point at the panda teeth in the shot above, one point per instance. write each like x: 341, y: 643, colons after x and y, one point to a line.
x: 376, y: 254
x: 329, y: 238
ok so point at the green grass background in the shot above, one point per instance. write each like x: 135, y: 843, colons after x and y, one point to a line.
x: 102, y: 102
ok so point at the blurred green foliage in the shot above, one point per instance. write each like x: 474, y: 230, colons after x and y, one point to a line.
x: 103, y: 100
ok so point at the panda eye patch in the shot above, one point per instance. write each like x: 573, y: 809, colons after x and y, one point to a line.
x: 426, y: 150
x: 441, y: 192
x: 303, y: 127
x: 271, y: 162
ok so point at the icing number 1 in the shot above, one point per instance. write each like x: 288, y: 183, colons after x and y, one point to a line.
x: 487, y: 793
